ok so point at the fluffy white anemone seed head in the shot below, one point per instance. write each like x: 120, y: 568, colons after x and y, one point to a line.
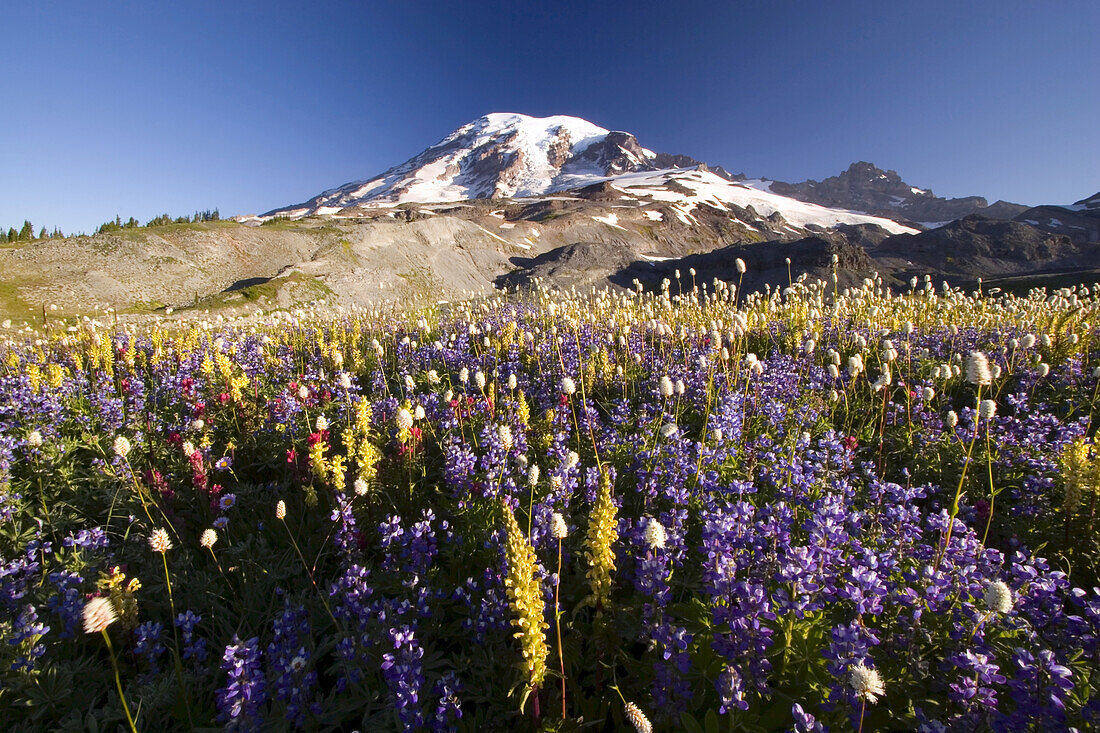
x: 655, y: 535
x: 321, y: 424
x: 558, y: 528
x: 669, y: 429
x: 34, y: 440
x: 344, y: 380
x: 568, y: 386
x: 977, y: 369
x: 665, y: 387
x: 740, y: 266
x: 636, y: 717
x: 866, y: 682
x: 122, y: 446
x: 998, y: 597
x: 160, y: 541
x: 512, y: 381
x: 361, y: 487
x: 99, y: 613
x: 952, y: 418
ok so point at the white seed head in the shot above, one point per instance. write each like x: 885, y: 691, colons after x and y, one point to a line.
x: 321, y: 423
x: 666, y: 387
x: 952, y: 418
x: 99, y: 613
x: 740, y: 266
x: 669, y: 429
x: 208, y: 538
x: 987, y: 409
x: 568, y: 386
x: 977, y: 369
x: 361, y: 487
x: 1043, y: 369
x: 34, y: 439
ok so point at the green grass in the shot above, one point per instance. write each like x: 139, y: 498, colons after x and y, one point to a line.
x: 302, y: 287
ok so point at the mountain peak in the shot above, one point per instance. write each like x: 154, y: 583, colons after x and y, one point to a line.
x: 499, y: 155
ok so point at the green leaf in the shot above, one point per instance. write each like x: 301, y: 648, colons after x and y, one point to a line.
x: 689, y: 724
x: 711, y: 721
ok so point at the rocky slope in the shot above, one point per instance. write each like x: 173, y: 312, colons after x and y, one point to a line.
x: 865, y: 187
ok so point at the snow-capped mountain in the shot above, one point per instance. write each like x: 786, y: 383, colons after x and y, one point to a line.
x: 512, y: 156
x: 499, y: 156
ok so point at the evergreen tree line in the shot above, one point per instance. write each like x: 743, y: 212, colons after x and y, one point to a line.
x: 26, y: 232
x: 156, y: 221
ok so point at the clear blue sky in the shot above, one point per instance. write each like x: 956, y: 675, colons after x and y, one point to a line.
x: 151, y: 107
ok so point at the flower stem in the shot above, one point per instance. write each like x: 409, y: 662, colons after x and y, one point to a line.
x: 118, y: 682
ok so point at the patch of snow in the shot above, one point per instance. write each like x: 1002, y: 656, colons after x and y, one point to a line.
x: 507, y: 225
x: 1055, y: 223
x: 654, y: 216
x: 655, y: 258
x: 1031, y: 221
x: 934, y: 224
x: 918, y: 191
x: 758, y: 183
x: 494, y: 236
x: 610, y: 220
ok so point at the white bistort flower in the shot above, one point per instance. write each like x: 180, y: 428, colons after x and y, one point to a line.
x: 160, y: 541
x: 866, y: 682
x: 558, y: 528
x: 636, y: 717
x: 122, y: 446
x: 655, y: 535
x: 998, y: 597
x: 404, y: 419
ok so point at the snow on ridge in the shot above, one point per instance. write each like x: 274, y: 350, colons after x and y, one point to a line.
x: 711, y: 189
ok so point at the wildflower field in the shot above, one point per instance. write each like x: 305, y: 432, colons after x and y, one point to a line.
x: 687, y: 510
